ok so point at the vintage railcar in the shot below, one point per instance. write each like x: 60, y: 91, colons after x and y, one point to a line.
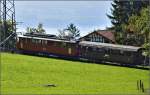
x: 46, y: 46
x: 94, y: 51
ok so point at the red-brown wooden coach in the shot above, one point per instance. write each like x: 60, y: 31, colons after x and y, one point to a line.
x: 45, y: 46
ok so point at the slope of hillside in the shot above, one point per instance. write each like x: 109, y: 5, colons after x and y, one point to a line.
x: 30, y: 75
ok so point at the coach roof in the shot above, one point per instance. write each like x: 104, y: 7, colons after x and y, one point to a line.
x: 112, y: 46
x: 39, y: 38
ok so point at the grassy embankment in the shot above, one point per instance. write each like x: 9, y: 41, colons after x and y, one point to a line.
x: 28, y: 75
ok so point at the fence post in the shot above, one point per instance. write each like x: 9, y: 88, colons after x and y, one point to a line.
x: 138, y: 85
x: 142, y: 87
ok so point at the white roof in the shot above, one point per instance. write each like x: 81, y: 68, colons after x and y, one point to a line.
x: 46, y: 39
x: 107, y: 45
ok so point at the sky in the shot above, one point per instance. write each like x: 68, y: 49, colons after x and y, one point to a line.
x: 86, y: 15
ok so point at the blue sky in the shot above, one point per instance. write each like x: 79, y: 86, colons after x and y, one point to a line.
x: 86, y: 15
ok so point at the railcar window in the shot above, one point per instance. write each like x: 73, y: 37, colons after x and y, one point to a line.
x: 21, y: 39
x: 54, y: 44
x: 101, y: 50
x: 63, y: 44
x: 33, y: 40
x: 121, y: 52
x: 83, y: 48
x: 109, y: 51
x: 87, y: 48
x: 42, y: 42
x: 26, y: 40
x: 106, y: 50
x: 18, y: 39
x: 45, y: 42
x: 39, y: 41
x: 50, y: 43
x: 94, y: 48
x: 116, y: 52
x: 36, y: 41
x: 71, y: 45
x: 128, y: 53
x: 57, y: 44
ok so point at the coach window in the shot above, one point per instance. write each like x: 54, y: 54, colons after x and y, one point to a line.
x: 121, y: 52
x: 116, y: 52
x: 87, y: 48
x: 63, y: 44
x: 106, y: 50
x: 109, y: 51
x: 55, y: 44
x: 90, y: 48
x: 42, y: 42
x: 127, y: 53
x: 36, y: 41
x: 45, y: 42
x: 32, y: 40
x: 21, y: 39
x: 39, y: 41
x: 26, y: 40
x: 94, y: 48
x: 100, y: 50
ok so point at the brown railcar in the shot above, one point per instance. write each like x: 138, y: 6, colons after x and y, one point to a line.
x: 47, y: 46
x: 111, y: 53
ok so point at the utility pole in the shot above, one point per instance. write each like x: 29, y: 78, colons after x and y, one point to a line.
x: 7, y: 23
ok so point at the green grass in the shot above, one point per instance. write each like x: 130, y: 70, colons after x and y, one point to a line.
x: 27, y: 74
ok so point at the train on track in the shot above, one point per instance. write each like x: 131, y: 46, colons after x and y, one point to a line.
x: 82, y: 50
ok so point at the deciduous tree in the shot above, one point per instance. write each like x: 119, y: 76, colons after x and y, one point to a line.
x: 70, y: 33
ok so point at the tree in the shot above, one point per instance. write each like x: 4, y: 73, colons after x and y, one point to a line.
x: 39, y: 29
x: 69, y: 33
x: 139, y: 25
x: 120, y: 13
x: 31, y: 30
x: 62, y: 34
x: 119, y: 16
x: 9, y: 29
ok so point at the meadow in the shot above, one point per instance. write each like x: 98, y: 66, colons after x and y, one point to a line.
x: 24, y: 74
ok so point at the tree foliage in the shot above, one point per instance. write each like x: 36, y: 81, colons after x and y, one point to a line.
x: 121, y: 11
x: 7, y: 37
x: 139, y: 25
x: 69, y: 33
x: 39, y: 29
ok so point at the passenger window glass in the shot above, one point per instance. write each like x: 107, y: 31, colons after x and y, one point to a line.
x: 121, y: 52
x: 39, y: 41
x: 46, y: 42
x: 127, y: 53
x: 115, y: 52
x: 26, y: 40
x: 94, y: 49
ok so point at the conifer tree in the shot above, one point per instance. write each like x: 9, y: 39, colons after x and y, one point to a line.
x: 120, y: 12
